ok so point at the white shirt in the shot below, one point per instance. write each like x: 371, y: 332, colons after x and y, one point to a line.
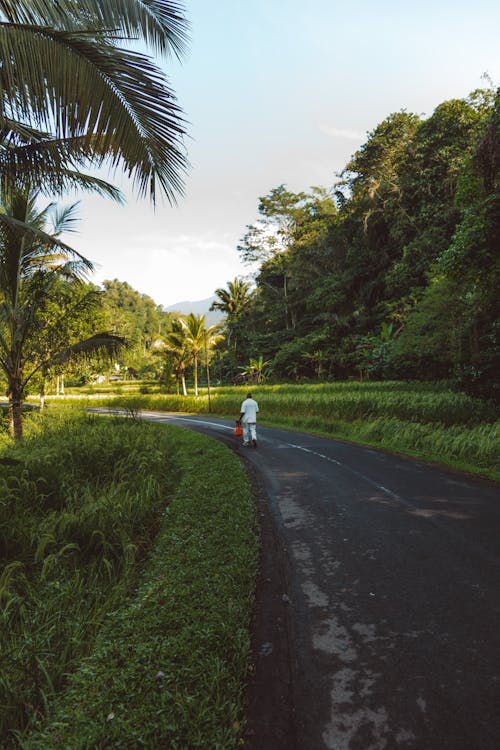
x: 249, y: 409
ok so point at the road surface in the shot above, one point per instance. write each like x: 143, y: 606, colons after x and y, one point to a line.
x: 379, y: 622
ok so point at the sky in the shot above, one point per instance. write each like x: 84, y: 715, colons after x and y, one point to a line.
x: 280, y: 92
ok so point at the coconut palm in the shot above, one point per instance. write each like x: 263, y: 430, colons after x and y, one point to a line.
x: 176, y: 345
x: 198, y: 338
x: 232, y: 301
x: 32, y: 261
x: 65, y: 82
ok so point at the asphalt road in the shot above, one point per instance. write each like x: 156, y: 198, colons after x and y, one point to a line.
x: 383, y: 591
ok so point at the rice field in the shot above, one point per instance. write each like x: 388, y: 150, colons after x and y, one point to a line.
x: 414, y: 402
x: 429, y: 420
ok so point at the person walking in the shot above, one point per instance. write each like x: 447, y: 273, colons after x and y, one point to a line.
x: 248, y: 419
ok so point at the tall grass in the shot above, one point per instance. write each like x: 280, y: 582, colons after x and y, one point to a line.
x: 168, y: 666
x: 351, y: 400
x: 425, y: 419
x: 81, y: 502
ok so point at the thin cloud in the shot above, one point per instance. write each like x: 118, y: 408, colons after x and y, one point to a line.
x: 351, y: 135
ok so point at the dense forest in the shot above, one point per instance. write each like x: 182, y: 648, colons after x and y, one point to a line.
x: 393, y: 272
x: 135, y: 317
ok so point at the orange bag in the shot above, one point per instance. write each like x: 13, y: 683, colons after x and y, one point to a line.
x: 238, y: 430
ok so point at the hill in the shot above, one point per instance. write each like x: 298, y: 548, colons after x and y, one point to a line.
x: 197, y: 307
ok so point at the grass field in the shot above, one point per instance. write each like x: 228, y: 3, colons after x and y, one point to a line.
x: 128, y: 558
x: 426, y: 420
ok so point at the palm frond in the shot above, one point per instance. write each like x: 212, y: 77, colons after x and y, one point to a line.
x: 100, y: 343
x: 38, y: 246
x: 13, y: 132
x: 83, y: 85
x: 64, y: 218
x: 160, y: 23
x: 33, y: 160
x: 89, y: 183
x: 105, y: 343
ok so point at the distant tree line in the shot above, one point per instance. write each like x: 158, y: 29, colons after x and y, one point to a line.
x: 393, y: 272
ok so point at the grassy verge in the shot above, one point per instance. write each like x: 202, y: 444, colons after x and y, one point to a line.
x: 161, y: 650
x: 426, y: 420
x: 472, y: 449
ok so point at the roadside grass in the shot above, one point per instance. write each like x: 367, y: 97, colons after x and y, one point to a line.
x: 426, y: 420
x: 472, y: 449
x: 129, y: 555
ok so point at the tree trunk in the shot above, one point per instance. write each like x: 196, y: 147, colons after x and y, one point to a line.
x: 42, y: 394
x: 15, y: 394
x: 184, y: 389
x: 16, y: 419
x: 195, y: 360
x: 208, y: 386
x: 285, y: 293
x: 62, y: 384
x: 474, y: 344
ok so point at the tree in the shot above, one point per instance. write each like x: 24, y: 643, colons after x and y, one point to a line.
x: 472, y: 263
x: 355, y: 280
x: 67, y: 85
x: 135, y: 316
x: 288, y: 223
x: 196, y: 338
x: 278, y: 213
x: 268, y: 240
x: 429, y: 179
x: 71, y: 313
x: 232, y: 301
x: 31, y: 264
x: 376, y: 222
x: 178, y: 349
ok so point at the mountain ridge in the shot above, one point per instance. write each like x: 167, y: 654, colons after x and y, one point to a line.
x: 197, y: 307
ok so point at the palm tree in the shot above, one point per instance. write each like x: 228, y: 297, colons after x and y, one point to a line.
x: 178, y: 349
x: 232, y: 301
x: 67, y: 85
x: 197, y: 337
x: 31, y: 264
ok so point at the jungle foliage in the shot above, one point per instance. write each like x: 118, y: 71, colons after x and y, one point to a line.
x: 392, y: 273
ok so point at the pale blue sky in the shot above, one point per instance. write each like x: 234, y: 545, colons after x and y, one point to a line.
x: 281, y: 91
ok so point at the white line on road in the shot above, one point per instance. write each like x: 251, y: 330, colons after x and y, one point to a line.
x: 357, y: 474
x: 172, y: 418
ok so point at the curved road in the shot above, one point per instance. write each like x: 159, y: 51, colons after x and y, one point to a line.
x: 383, y: 582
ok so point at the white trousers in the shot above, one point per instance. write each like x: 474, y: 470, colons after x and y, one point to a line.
x: 249, y: 431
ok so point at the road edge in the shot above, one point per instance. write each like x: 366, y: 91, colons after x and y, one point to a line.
x: 270, y: 711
